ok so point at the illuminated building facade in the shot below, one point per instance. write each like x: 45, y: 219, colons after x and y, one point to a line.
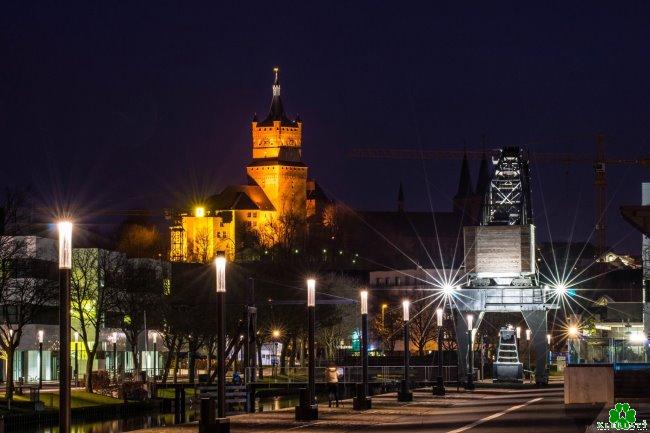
x: 278, y: 191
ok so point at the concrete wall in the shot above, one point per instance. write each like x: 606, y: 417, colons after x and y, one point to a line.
x: 589, y: 384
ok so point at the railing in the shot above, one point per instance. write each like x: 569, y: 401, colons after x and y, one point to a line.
x: 352, y: 374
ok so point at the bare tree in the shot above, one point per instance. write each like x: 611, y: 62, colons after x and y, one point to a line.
x: 139, y: 290
x: 422, y: 325
x: 93, y: 296
x: 387, y: 326
x: 27, y: 286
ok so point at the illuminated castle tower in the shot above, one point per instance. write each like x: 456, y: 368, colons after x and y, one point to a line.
x: 277, y: 166
x: 278, y: 195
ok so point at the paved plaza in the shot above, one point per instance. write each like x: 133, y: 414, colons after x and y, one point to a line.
x: 485, y: 410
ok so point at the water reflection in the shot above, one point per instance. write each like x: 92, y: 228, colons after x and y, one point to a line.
x: 154, y: 419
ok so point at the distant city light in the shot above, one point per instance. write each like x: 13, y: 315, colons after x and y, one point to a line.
x: 637, y: 337
x: 199, y: 212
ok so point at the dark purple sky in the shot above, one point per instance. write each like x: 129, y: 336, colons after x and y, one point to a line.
x: 123, y: 106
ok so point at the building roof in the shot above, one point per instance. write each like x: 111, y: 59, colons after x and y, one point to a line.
x: 617, y: 312
x: 276, y: 112
x: 241, y: 197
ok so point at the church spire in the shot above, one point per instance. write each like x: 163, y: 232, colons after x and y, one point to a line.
x: 483, y: 176
x: 465, y: 181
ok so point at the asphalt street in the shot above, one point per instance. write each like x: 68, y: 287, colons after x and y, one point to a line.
x: 484, y: 410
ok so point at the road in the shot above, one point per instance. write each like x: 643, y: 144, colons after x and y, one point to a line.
x: 484, y: 410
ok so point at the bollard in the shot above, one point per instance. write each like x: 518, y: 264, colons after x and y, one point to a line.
x: 361, y: 401
x: 183, y: 414
x: 208, y: 415
x: 177, y: 405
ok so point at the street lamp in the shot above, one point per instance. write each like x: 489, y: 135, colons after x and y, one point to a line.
x: 528, y: 332
x: 76, y: 362
x: 470, y: 353
x: 308, y: 408
x: 222, y: 423
x: 276, y: 335
x: 405, y: 393
x: 155, y: 356
x: 574, y: 333
x: 65, y: 266
x: 115, y: 356
x: 439, y: 389
x: 550, y: 355
x: 362, y: 401
x: 40, y: 359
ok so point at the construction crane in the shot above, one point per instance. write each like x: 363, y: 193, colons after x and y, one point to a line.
x: 598, y: 161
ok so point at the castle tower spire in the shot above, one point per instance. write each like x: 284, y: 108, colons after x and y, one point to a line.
x: 276, y: 112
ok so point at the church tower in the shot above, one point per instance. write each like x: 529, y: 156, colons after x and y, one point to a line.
x: 277, y: 158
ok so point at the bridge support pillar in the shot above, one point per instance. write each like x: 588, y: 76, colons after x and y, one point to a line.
x: 536, y: 321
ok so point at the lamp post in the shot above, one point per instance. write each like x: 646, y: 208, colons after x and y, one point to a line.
x: 40, y: 359
x: 528, y: 331
x: 276, y: 335
x: 65, y: 266
x: 362, y: 401
x: 222, y: 423
x: 308, y: 408
x: 470, y: 353
x: 405, y: 393
x: 115, y: 356
x: 573, y: 332
x: 155, y: 357
x: 439, y: 389
x: 76, y: 359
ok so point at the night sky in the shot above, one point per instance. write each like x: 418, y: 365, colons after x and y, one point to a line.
x: 119, y: 106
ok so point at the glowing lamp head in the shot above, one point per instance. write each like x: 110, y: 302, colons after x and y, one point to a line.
x: 276, y: 333
x: 470, y: 321
x: 311, y: 292
x: 363, y: 295
x: 561, y: 289
x: 406, y: 306
x: 199, y: 211
x: 155, y: 337
x: 447, y: 289
x: 573, y: 331
x: 548, y: 339
x: 65, y: 244
x: 40, y: 336
x: 220, y: 264
x: 528, y: 332
x: 76, y: 337
x: 439, y: 312
x: 518, y: 332
x: 114, y: 337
